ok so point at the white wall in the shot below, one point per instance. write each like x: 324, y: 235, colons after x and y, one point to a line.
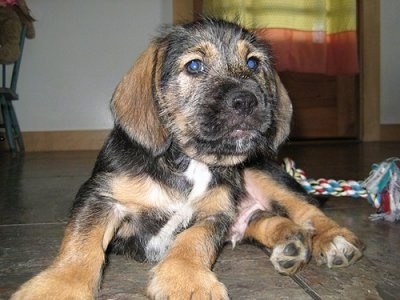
x: 81, y: 50
x: 390, y: 62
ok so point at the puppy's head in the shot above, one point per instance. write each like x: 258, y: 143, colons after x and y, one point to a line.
x: 209, y: 86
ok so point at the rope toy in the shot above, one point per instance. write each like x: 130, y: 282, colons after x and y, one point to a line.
x: 381, y: 188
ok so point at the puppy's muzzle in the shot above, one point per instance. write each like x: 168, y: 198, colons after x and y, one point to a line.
x: 242, y: 102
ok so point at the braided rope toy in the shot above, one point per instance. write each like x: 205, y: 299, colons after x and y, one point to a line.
x: 381, y: 188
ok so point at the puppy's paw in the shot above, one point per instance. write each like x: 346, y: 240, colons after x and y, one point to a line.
x: 176, y: 279
x: 291, y: 255
x: 337, y: 248
x: 49, y: 285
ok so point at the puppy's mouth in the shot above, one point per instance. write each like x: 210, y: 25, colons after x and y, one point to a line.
x: 233, y: 141
x: 230, y: 133
x: 226, y: 147
x: 231, y: 129
x: 242, y: 133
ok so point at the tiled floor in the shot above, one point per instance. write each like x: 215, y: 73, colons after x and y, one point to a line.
x: 37, y: 189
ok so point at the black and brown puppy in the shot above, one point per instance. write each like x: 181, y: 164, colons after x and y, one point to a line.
x: 187, y: 167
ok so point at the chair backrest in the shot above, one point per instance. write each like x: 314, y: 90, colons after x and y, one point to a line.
x: 16, y: 65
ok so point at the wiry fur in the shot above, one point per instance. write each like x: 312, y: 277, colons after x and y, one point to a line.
x: 189, y: 166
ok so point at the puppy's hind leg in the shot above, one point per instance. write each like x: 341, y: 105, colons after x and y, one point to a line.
x: 76, y: 271
x: 332, y: 244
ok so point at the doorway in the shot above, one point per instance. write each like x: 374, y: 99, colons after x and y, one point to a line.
x: 325, y: 107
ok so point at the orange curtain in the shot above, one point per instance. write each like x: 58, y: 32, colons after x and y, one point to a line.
x: 308, y: 36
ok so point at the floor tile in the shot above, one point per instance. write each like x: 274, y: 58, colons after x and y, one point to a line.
x: 37, y: 191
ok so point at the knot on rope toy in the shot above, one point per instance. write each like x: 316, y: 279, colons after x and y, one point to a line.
x: 381, y: 188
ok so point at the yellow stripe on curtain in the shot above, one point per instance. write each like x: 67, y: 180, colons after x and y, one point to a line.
x: 314, y: 36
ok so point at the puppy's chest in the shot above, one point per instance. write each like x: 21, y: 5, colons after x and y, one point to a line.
x: 199, y: 176
x: 181, y: 212
x: 195, y: 181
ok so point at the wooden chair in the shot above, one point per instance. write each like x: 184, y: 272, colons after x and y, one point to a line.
x: 8, y: 94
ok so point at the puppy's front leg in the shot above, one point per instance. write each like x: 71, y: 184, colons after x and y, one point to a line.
x: 185, y: 272
x: 76, y: 271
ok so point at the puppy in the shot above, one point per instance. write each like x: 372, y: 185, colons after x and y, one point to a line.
x: 189, y: 166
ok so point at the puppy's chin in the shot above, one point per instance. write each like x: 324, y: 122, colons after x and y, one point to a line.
x: 231, y: 149
x: 241, y: 142
x: 224, y: 160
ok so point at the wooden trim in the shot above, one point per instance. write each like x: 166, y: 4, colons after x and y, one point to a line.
x: 369, y: 34
x: 390, y: 132
x: 183, y: 11
x: 197, y: 9
x: 64, y: 140
x: 186, y: 11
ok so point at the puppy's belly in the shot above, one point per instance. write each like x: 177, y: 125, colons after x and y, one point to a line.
x: 254, y: 201
x: 245, y: 212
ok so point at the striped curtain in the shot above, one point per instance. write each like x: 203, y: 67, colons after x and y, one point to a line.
x: 307, y: 36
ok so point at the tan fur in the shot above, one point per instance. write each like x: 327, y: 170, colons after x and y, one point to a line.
x: 298, y: 209
x: 300, y: 212
x: 75, y: 276
x: 284, y: 113
x: 216, y: 200
x: 273, y: 231
x: 140, y: 193
x: 202, y: 51
x: 185, y: 273
x: 246, y: 51
x: 133, y: 104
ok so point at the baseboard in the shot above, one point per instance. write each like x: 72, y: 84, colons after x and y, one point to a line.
x: 64, y: 140
x: 390, y: 132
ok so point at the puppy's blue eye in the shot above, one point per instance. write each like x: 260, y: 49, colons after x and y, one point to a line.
x: 252, y: 63
x: 195, y: 66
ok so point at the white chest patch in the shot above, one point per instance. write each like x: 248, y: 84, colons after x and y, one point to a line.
x: 200, y: 176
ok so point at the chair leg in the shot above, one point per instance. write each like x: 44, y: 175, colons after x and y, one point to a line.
x: 8, y: 124
x: 16, y: 128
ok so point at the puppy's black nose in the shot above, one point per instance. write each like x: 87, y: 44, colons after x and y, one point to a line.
x: 243, y: 102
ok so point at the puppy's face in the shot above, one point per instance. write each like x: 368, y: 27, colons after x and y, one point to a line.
x: 216, y: 93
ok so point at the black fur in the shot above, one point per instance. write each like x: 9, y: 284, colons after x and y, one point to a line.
x: 122, y: 154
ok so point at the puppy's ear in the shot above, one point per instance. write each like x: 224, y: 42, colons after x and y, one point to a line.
x: 133, y: 103
x: 284, y: 112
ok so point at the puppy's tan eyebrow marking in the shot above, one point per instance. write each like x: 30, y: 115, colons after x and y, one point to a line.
x: 202, y: 51
x: 206, y: 48
x: 243, y: 48
x: 246, y: 50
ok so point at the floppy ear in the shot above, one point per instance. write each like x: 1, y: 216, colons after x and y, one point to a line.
x: 284, y: 112
x: 133, y: 102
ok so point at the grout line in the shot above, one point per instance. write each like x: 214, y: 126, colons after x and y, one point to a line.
x: 32, y: 224
x: 298, y: 280
x: 309, y: 290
